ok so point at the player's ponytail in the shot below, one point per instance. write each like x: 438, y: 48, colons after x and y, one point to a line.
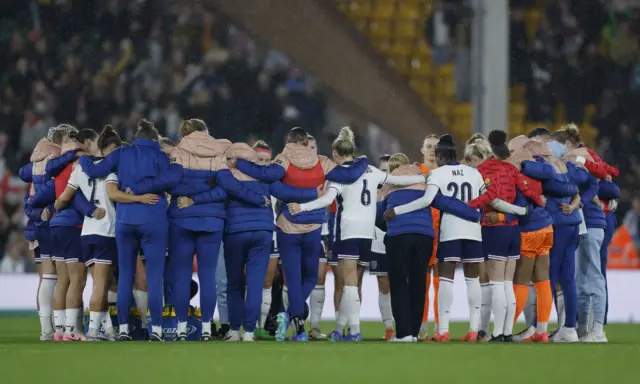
x: 397, y: 160
x: 475, y: 138
x: 108, y: 138
x: 572, y: 133
x: 345, y: 144
x: 146, y: 130
x: 479, y: 150
x: 498, y: 142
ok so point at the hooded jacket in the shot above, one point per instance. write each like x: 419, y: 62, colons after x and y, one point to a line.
x: 301, y: 167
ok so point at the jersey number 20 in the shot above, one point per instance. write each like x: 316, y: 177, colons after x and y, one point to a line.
x: 365, y: 196
x: 464, y: 189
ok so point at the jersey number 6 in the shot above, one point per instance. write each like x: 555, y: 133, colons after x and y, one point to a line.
x: 365, y: 196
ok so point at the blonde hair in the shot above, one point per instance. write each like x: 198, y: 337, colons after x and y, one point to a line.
x: 475, y: 138
x: 345, y: 144
x: 192, y: 125
x: 397, y: 160
x: 479, y: 148
x: 571, y: 133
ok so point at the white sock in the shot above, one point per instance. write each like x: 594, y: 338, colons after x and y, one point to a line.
x: 498, y: 306
x: 95, y: 322
x: 141, y: 299
x: 542, y: 327
x: 59, y: 320
x: 598, y: 327
x: 316, y: 305
x: 591, y: 319
x: 510, y: 296
x: 337, y: 315
x: 445, y: 300
x: 560, y: 309
x: 206, y: 327
x: 351, y: 301
x: 485, y: 308
x: 157, y: 329
x: 343, y: 314
x: 71, y: 320
x: 529, y: 310
x: 285, y: 297
x: 384, y: 303
x: 107, y: 325
x: 182, y: 327
x: 265, y: 306
x: 112, y: 297
x: 45, y: 298
x: 474, y: 298
x: 124, y: 328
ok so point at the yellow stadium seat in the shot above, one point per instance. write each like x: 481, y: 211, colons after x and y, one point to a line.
x: 408, y: 11
x: 359, y: 9
x: 516, y: 129
x: 383, y: 45
x: 517, y: 92
x: 446, y: 71
x: 380, y: 29
x: 589, y: 135
x: 532, y: 19
x: 400, y: 63
x: 445, y: 87
x: 423, y: 88
x: 517, y: 112
x: 422, y: 49
x: 405, y: 29
x: 383, y: 11
x: 589, y: 113
x: 421, y: 67
x: 401, y: 47
x: 558, y: 113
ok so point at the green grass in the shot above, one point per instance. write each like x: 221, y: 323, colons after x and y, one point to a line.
x: 24, y: 359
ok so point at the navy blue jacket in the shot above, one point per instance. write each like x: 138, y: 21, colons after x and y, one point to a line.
x: 420, y: 221
x: 588, y: 184
x: 608, y: 190
x: 208, y: 211
x: 536, y: 218
x: 557, y: 188
x: 246, y: 208
x: 133, y: 163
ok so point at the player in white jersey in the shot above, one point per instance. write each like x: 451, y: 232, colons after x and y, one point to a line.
x: 460, y: 240
x: 354, y: 228
x: 99, y: 250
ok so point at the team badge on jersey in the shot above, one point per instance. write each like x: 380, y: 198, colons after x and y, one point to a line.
x: 487, y: 182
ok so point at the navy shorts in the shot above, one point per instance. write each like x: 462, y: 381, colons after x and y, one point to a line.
x: 378, y: 264
x: 98, y: 249
x: 501, y: 243
x: 67, y: 243
x: 275, y: 252
x: 352, y: 249
x: 45, y: 242
x: 455, y: 251
x: 324, y: 257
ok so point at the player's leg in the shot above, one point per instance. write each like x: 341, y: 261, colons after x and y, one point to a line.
x: 140, y: 289
x: 310, y: 259
x: 543, y: 292
x: 566, y: 279
x: 421, y: 245
x: 591, y: 284
x: 128, y: 246
x: 522, y: 278
x: 316, y: 300
x: 154, y: 242
x: 424, y: 327
x: 221, y: 294
x: 449, y: 253
x: 290, y: 247
x: 267, y: 291
x: 77, y: 280
x: 608, y: 235
x: 399, y: 257
x: 208, y: 253
x: 496, y: 246
x: 45, y: 297
x: 235, y: 253
x: 485, y: 307
x: 509, y: 320
x: 473, y: 257
x: 256, y: 268
x: 60, y: 299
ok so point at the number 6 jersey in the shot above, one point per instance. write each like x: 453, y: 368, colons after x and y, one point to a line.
x: 465, y: 184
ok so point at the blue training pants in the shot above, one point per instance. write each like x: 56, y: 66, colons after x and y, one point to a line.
x: 563, y: 267
x: 247, y: 258
x: 608, y: 235
x: 221, y: 287
x: 152, y: 238
x: 300, y: 255
x: 183, y: 244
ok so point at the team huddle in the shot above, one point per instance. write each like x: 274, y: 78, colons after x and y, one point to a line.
x: 529, y: 219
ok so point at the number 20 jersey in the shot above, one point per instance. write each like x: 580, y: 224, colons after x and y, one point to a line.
x: 463, y: 183
x: 356, y: 214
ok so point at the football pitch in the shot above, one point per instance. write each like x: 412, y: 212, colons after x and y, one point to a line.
x: 24, y: 359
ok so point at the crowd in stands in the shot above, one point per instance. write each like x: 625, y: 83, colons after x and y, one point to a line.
x: 95, y: 62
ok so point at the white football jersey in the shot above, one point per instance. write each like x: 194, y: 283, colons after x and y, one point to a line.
x: 377, y: 245
x: 463, y: 183
x: 274, y: 203
x: 95, y: 190
x: 356, y: 215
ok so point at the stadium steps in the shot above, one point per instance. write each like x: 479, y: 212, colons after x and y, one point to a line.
x: 323, y: 42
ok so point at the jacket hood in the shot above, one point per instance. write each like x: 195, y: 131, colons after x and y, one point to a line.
x: 402, y: 170
x: 241, y: 151
x: 541, y: 150
x: 201, y: 144
x: 518, y: 152
x: 72, y: 146
x: 43, y: 149
x: 300, y: 156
